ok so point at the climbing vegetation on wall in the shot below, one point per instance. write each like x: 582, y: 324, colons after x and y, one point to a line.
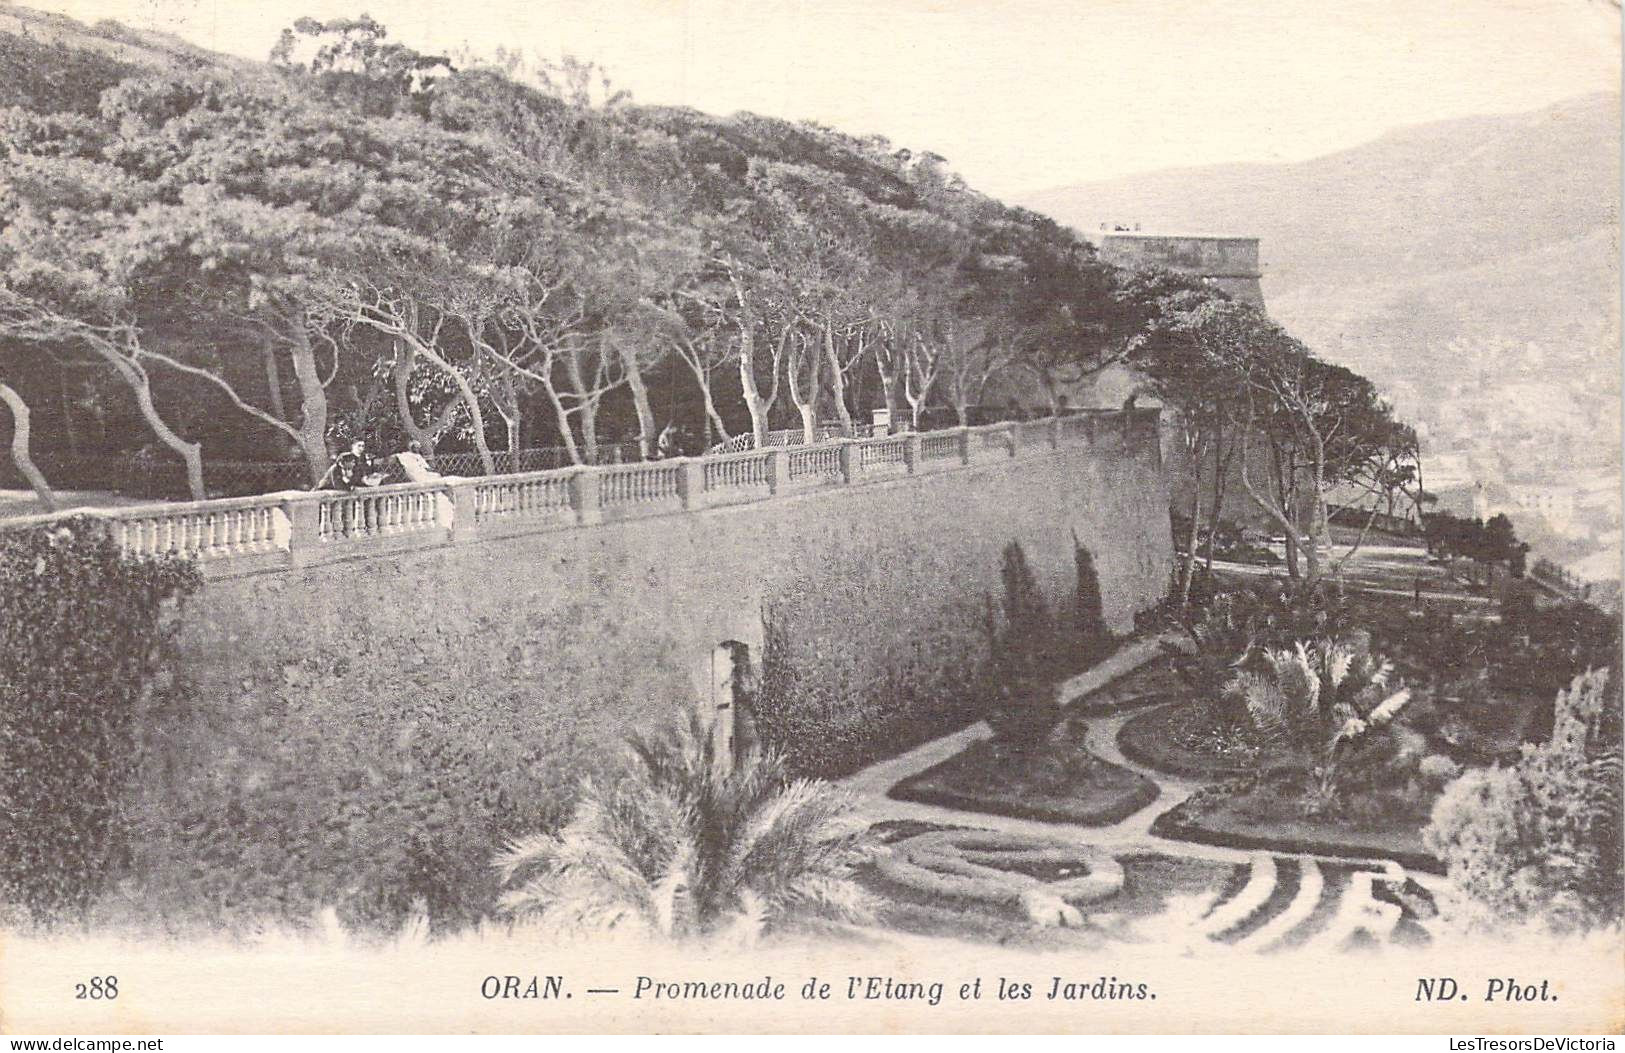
x: 85, y: 638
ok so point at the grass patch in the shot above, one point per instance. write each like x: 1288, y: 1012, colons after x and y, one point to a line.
x: 1057, y: 780
x: 1255, y: 814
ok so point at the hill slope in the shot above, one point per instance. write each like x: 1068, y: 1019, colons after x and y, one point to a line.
x: 1430, y: 259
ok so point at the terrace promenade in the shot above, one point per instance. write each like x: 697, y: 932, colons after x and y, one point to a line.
x: 232, y: 537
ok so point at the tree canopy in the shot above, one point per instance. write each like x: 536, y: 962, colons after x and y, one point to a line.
x: 363, y: 241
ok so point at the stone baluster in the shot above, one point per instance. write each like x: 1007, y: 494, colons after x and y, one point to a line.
x: 691, y: 482
x: 851, y: 458
x: 301, y: 526
x: 913, y: 452
x: 778, y: 471
x: 455, y: 508
x: 585, y: 492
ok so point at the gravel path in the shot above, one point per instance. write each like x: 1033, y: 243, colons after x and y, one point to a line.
x: 1130, y: 835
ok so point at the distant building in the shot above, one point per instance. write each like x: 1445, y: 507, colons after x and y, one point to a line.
x: 1228, y: 263
x: 1554, y: 503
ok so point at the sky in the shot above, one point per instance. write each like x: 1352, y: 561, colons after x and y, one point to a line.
x: 1018, y: 95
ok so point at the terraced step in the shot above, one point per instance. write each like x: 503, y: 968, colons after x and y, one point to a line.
x: 1292, y: 902
x: 1360, y: 915
x: 1272, y: 934
x: 1233, y: 912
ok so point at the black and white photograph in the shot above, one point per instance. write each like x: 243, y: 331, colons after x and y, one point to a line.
x: 900, y: 516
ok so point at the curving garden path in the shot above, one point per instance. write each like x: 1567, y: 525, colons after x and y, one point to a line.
x: 1275, y: 901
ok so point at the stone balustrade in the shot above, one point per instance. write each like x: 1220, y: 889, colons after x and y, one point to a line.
x: 246, y: 535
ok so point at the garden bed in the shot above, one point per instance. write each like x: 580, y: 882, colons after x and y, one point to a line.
x: 1256, y: 817
x: 1151, y: 881
x: 1184, y: 739
x: 1054, y: 781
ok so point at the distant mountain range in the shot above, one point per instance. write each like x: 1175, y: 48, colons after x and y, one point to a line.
x: 1470, y: 267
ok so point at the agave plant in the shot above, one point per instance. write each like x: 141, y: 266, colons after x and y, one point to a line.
x: 674, y: 847
x: 1325, y: 705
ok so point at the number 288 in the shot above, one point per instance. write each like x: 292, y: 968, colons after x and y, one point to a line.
x: 100, y: 988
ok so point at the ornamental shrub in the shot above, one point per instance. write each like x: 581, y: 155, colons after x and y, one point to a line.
x: 1540, y: 841
x: 670, y: 846
x: 330, y: 817
x: 1331, y: 708
x: 1027, y: 656
x: 1094, y: 635
x: 85, y: 637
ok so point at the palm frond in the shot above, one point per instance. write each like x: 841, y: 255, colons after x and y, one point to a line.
x: 667, y: 896
x: 523, y: 852
x: 1336, y: 663
x: 1389, y: 708
x: 1265, y: 704
x: 675, y: 846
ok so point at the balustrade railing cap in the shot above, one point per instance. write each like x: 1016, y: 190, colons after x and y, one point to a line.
x: 565, y: 473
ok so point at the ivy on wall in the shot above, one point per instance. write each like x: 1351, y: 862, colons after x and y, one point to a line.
x: 84, y: 636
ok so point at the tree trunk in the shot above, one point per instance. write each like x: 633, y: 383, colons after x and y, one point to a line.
x: 1281, y: 514
x: 804, y: 387
x: 1221, y: 472
x: 747, y: 384
x: 693, y: 357
x: 401, y: 371
x: 647, y: 432
x: 561, y: 416
x: 190, y: 453
x: 273, y: 380
x: 426, y: 438
x: 746, y: 323
x: 1284, y: 495
x: 720, y: 429
x: 505, y: 398
x: 19, y: 448
x: 887, y: 366
x: 471, y: 402
x: 589, y: 431
x: 587, y: 396
x: 837, y: 381
x: 1188, y: 567
x: 312, y: 405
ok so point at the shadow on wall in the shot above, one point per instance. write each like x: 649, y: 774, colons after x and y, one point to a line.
x: 836, y: 695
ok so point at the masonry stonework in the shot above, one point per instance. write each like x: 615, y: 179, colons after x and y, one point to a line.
x: 533, y: 653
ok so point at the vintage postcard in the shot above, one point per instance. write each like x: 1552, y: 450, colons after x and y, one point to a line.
x: 899, y: 516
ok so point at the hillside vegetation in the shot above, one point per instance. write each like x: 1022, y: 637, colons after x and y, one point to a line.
x: 358, y: 241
